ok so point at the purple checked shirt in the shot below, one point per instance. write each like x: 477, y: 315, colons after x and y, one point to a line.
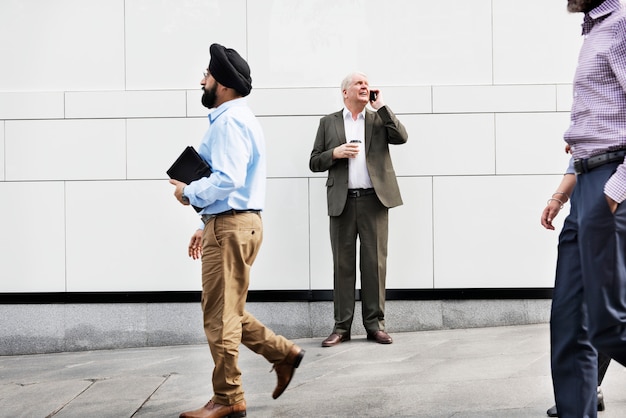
x: 598, y: 116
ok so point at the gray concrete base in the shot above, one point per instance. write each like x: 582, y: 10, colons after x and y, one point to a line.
x: 33, y: 329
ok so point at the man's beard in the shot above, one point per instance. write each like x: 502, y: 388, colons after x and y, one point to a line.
x: 209, y: 97
x: 582, y: 6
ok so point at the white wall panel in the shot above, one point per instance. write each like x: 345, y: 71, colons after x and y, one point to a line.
x: 295, y: 101
x: 2, y: 173
x: 319, y: 101
x: 410, y: 252
x: 319, y: 236
x: 62, y: 45
x: 31, y: 105
x: 322, y: 101
x: 289, y: 141
x: 65, y: 150
x: 283, y: 262
x: 531, y: 143
x: 154, y: 144
x: 488, y: 233
x: 129, y: 236
x: 313, y: 43
x: 125, y: 104
x: 167, y: 42
x: 453, y: 144
x: 564, y: 97
x: 536, y: 43
x: 458, y: 99
x: 194, y: 103
x: 32, y: 242
x: 406, y: 99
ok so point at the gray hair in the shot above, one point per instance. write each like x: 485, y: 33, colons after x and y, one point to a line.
x: 348, y: 80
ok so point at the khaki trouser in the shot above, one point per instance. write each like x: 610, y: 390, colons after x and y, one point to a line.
x: 230, y: 244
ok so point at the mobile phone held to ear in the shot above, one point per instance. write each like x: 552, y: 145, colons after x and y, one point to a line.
x: 373, y: 95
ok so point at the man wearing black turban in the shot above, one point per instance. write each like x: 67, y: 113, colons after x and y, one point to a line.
x: 230, y: 70
x: 231, y: 200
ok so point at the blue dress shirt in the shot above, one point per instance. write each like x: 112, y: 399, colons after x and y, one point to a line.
x: 234, y: 148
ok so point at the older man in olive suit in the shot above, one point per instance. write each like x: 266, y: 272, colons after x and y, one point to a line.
x: 353, y: 146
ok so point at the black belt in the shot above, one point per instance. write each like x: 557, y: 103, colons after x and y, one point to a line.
x: 207, y: 217
x: 360, y: 192
x: 585, y: 165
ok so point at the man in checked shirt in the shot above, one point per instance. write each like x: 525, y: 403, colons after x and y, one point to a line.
x: 597, y: 237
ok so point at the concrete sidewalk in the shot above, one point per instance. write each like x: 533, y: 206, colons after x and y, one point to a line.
x: 480, y: 372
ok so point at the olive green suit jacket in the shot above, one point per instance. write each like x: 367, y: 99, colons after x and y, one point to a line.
x: 381, y: 129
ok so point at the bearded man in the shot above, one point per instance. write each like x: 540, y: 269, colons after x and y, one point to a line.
x: 591, y: 269
x: 231, y: 200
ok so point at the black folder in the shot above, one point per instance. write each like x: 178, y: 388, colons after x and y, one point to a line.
x: 188, y: 167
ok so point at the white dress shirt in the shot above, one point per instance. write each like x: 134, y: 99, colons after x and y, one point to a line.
x: 358, y: 176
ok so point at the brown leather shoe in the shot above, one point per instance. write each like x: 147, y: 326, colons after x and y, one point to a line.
x: 286, y: 368
x: 334, y: 339
x: 381, y: 337
x: 216, y: 410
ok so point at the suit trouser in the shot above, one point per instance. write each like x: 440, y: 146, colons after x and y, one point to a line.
x: 366, y: 218
x: 573, y: 359
x: 602, y: 238
x: 230, y: 244
x: 589, y: 291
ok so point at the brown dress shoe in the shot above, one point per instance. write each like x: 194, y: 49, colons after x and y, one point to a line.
x: 334, y: 339
x: 216, y: 410
x: 286, y: 368
x: 381, y: 337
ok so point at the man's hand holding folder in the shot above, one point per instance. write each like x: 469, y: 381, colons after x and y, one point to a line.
x: 188, y: 167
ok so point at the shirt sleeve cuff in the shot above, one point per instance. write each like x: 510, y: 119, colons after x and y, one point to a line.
x: 570, y: 167
x: 615, y: 187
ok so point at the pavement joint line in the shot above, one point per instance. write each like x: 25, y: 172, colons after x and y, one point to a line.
x: 60, y: 408
x: 165, y: 379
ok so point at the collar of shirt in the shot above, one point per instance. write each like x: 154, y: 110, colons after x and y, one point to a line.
x: 598, y: 14
x: 217, y: 112
x: 347, y: 114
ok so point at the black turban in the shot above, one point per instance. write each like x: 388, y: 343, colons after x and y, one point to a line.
x: 229, y: 69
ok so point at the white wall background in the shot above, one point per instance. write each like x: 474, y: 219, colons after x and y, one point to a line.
x: 98, y: 97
